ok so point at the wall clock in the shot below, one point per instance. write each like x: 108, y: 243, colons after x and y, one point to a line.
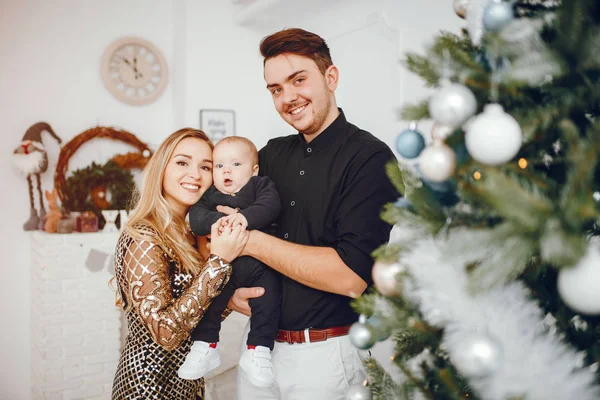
x: 134, y: 71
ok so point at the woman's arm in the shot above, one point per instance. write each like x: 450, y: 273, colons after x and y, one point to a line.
x: 169, y: 320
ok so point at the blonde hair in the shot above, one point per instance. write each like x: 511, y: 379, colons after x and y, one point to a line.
x: 152, y: 214
x: 242, y: 140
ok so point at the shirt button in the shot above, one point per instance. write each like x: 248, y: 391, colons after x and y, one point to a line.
x: 286, y: 236
x: 301, y: 172
x: 309, y: 150
x: 293, y: 203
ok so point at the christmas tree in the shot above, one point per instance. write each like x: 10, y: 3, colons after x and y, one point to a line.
x: 490, y: 288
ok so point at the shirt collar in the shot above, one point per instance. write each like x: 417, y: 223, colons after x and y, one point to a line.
x: 331, y: 133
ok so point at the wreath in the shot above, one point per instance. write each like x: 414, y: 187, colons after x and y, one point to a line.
x: 98, y: 187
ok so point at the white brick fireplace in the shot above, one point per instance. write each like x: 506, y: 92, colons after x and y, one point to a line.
x: 76, y: 329
x: 75, y: 326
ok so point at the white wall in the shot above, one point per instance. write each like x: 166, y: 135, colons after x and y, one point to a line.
x: 49, y: 71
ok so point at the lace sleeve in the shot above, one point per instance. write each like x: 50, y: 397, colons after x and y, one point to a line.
x: 169, y: 320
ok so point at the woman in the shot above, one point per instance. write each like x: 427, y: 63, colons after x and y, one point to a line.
x: 165, y: 285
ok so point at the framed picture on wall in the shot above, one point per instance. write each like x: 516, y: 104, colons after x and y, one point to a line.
x: 217, y: 124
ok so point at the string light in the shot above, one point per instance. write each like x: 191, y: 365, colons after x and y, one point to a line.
x: 477, y: 175
x: 522, y: 163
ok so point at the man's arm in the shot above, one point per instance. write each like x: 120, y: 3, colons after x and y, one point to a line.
x: 317, y: 267
x: 345, y: 267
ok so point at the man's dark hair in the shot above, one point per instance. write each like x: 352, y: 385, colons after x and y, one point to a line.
x: 300, y: 42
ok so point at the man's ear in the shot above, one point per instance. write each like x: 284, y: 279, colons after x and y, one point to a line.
x: 332, y: 76
x: 255, y: 170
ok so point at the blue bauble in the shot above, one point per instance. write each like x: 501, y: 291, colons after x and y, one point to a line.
x: 462, y: 154
x: 447, y: 196
x: 410, y: 143
x: 440, y: 187
x: 444, y: 192
x: 496, y: 15
x: 402, y: 202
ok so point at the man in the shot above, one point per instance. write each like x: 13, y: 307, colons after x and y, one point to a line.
x: 332, y: 183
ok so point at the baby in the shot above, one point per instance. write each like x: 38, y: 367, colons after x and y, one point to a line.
x: 236, y: 184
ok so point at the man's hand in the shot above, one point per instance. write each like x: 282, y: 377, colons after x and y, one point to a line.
x: 239, y: 300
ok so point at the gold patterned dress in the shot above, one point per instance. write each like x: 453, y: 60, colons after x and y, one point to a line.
x: 163, y: 305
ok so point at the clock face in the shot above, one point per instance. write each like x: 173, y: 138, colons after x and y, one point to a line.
x: 134, y: 71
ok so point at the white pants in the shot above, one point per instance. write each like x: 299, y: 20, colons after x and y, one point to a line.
x: 314, y: 371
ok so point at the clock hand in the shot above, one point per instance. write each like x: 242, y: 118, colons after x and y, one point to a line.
x: 137, y: 73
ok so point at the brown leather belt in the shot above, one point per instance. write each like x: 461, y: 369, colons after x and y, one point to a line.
x: 311, y: 335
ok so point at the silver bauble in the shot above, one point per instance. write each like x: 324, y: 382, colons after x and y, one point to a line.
x: 497, y: 15
x: 452, y: 105
x: 358, y: 392
x: 361, y: 336
x: 460, y: 8
x: 385, y: 277
x: 437, y: 162
x: 380, y: 329
x: 578, y: 285
x: 477, y: 355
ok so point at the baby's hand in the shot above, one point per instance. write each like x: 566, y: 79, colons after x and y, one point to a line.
x: 235, y: 220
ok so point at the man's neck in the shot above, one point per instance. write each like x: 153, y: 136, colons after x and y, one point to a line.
x: 332, y: 116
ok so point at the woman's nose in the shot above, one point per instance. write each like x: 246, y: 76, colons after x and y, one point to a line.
x: 195, y: 174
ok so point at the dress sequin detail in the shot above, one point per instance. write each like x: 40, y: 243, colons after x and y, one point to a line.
x: 162, y: 304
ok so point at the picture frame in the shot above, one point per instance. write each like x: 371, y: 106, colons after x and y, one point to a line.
x: 217, y: 124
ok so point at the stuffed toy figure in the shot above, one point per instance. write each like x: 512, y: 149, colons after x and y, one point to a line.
x: 31, y: 158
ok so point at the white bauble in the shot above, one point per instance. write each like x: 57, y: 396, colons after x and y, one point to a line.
x: 493, y: 137
x: 385, y: 278
x: 579, y: 286
x: 437, y: 162
x: 441, y: 132
x: 477, y: 355
x: 452, y: 105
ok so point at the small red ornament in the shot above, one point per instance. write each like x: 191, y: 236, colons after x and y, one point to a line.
x: 88, y: 222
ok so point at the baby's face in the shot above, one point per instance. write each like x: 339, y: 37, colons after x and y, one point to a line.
x: 232, y: 167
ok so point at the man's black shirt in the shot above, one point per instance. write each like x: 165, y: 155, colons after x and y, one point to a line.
x: 332, y: 192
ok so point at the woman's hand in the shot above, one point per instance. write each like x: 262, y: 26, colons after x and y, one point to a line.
x: 235, y: 220
x: 239, y: 301
x: 203, y: 244
x: 229, y: 243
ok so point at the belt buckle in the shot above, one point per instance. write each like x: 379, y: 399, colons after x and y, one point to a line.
x: 307, y: 335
